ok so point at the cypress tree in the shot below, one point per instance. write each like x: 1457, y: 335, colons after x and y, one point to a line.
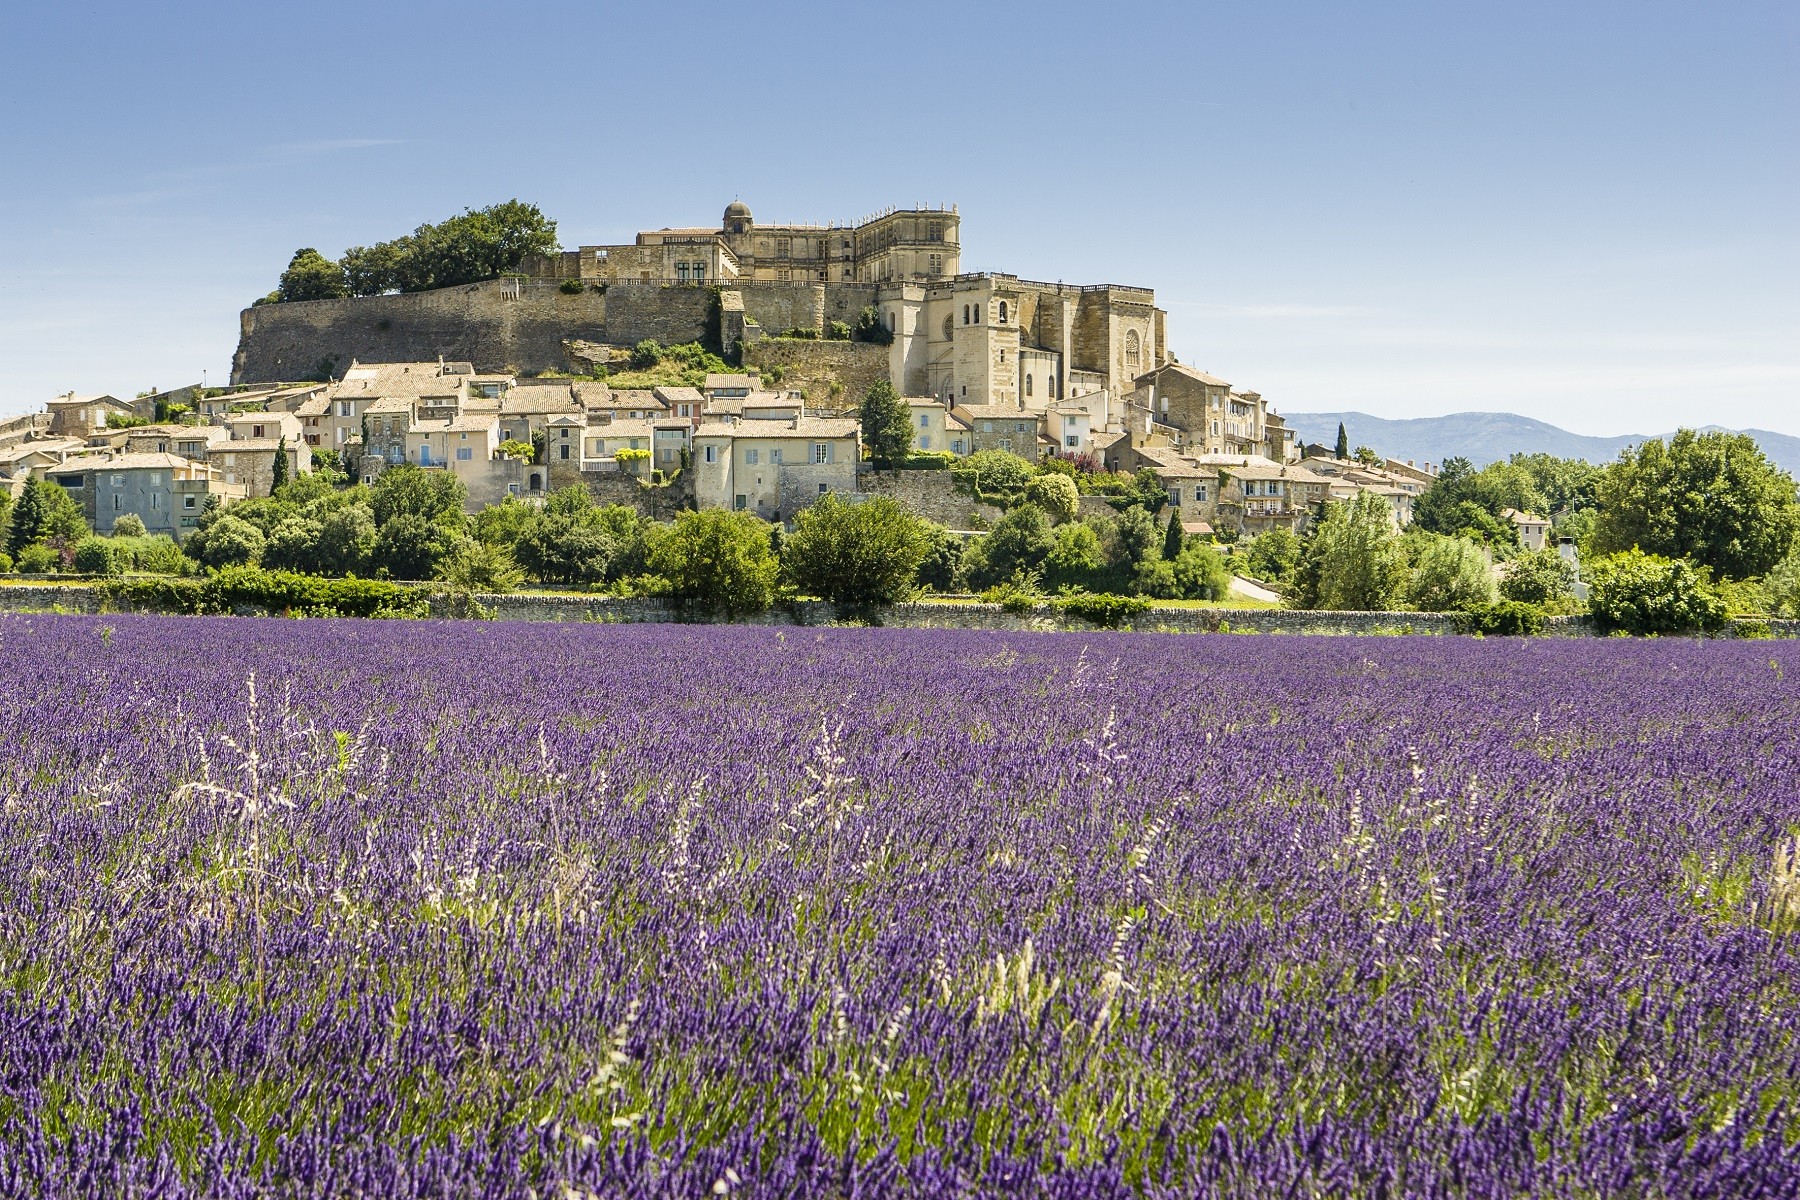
x: 281, y: 465
x: 1343, y: 443
x: 1173, y: 536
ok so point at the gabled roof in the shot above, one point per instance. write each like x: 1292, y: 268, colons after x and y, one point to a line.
x: 121, y: 462
x: 733, y: 381
x: 993, y: 412
x: 1181, y: 369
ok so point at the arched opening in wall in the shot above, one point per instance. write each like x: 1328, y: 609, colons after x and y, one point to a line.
x: 965, y: 314
x: 1003, y: 312
x: 537, y: 482
x: 1134, y: 348
x: 949, y: 326
x: 978, y: 314
x: 1028, y: 385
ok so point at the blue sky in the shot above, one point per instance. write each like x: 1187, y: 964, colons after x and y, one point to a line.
x: 1581, y: 212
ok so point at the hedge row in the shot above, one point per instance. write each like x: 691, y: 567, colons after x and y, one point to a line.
x: 276, y: 592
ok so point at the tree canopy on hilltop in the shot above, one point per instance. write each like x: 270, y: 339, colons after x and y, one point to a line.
x: 475, y: 244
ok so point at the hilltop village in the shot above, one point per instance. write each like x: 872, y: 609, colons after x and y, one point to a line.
x: 812, y: 317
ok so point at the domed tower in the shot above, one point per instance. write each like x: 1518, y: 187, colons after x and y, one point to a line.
x: 737, y: 219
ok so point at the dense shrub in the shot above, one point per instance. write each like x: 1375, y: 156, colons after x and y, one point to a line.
x: 101, y: 556
x: 1640, y: 593
x: 1106, y: 611
x: 717, y: 561
x: 38, y: 559
x: 1055, y: 494
x: 1451, y: 573
x: 1537, y: 577
x: 1508, y: 618
x: 571, y: 287
x: 278, y: 592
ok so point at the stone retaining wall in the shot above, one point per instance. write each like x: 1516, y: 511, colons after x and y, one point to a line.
x: 932, y: 495
x: 79, y: 598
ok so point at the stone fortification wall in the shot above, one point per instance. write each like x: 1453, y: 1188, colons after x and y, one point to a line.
x: 656, y: 503
x: 477, y: 324
x: 932, y: 495
x: 666, y: 313
x: 506, y: 326
x: 833, y: 375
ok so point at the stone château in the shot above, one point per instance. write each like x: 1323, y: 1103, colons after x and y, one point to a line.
x: 983, y: 338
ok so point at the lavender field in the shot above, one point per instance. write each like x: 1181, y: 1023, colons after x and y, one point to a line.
x: 334, y: 909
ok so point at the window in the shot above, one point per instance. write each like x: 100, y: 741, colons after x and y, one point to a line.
x: 924, y: 441
x: 155, y: 501
x: 467, y: 453
x: 712, y: 454
x: 118, y: 481
x: 344, y: 408
x: 821, y: 452
x: 1028, y: 385
x: 1200, y: 493
x: 1019, y: 427
x: 949, y: 326
x: 231, y: 460
x: 565, y: 434
x: 463, y: 437
x: 512, y: 489
x: 156, y: 479
x: 686, y: 410
x: 118, y: 503
x: 987, y: 427
x: 1175, y: 496
x: 1003, y: 312
x: 1006, y: 443
x: 965, y: 314
x: 924, y: 420
x: 956, y: 447
x: 1072, y: 442
x: 751, y: 457
x: 775, y: 456
x: 1003, y: 356
x: 668, y: 455
x: 190, y: 502
x: 784, y: 248
x: 1133, y: 348
x: 740, y: 502
x: 821, y: 489
x: 978, y: 314
x: 565, y: 452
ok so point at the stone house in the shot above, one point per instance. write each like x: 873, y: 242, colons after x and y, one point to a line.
x: 81, y: 416
x: 1000, y: 427
x: 774, y: 468
x: 685, y: 402
x: 1211, y: 416
x: 935, y: 429
x: 24, y: 461
x: 168, y: 492
x: 468, y: 447
x: 722, y: 386
x: 189, y: 441
x: 1533, y: 530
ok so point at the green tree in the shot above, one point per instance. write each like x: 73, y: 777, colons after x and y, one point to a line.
x: 1200, y: 573
x: 312, y: 276
x: 1782, y: 587
x: 1641, y: 593
x: 886, y: 424
x: 293, y: 546
x: 504, y: 523
x: 1541, y: 577
x: 1712, y: 498
x: 44, y: 513
x: 566, y: 545
x: 1273, y: 557
x: 1076, y: 558
x: 406, y: 490
x: 1342, y: 451
x: 941, y: 569
x: 475, y: 566
x: 226, y: 542
x: 994, y: 472
x: 346, y: 540
x: 474, y: 245
x: 1367, y: 457
x: 717, y: 561
x: 1451, y: 575
x: 408, y: 546
x: 1018, y: 545
x: 1173, y: 537
x: 280, y: 474
x: 130, y: 525
x: 1056, y: 494
x: 1132, y: 538
x: 1353, y: 560
x: 857, y: 554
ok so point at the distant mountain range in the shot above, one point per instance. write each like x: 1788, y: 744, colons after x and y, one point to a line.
x: 1485, y: 437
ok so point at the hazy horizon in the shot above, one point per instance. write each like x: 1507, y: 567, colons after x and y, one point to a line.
x: 1584, y: 216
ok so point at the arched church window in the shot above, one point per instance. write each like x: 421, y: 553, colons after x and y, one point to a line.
x: 1003, y: 312
x: 1133, y: 348
x: 1028, y: 385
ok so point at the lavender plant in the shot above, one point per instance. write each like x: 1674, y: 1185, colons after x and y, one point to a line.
x: 325, y: 909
